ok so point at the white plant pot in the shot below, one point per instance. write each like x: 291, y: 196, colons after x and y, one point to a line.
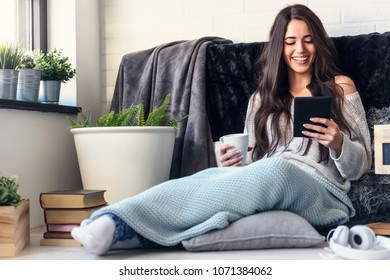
x: 123, y: 160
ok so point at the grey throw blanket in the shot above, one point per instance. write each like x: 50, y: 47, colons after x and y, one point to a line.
x: 177, y: 68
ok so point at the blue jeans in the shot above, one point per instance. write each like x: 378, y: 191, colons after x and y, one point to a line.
x: 124, y: 232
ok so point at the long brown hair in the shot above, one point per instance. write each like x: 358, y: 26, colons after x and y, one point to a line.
x: 273, y: 88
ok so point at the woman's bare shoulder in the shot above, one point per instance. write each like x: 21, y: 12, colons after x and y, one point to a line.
x: 346, y: 84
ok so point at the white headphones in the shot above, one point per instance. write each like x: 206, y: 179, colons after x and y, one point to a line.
x: 358, y: 243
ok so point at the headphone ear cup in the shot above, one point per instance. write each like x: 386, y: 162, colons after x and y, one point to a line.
x: 361, y: 237
x: 341, y: 235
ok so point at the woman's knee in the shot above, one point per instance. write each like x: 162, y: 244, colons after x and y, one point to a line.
x: 279, y: 167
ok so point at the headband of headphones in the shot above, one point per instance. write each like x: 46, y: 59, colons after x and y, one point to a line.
x: 359, y: 243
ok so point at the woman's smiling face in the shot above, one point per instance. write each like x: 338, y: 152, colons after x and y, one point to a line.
x: 299, y: 50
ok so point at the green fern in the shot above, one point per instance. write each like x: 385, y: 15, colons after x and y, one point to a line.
x: 131, y: 116
x: 175, y: 123
x: 140, y: 115
x: 159, y: 115
x: 106, y: 120
x: 125, y: 117
x: 82, y: 120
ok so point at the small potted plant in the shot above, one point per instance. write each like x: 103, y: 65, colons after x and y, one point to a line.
x: 29, y: 79
x: 10, y: 58
x: 56, y: 69
x: 14, y: 218
x: 125, y: 153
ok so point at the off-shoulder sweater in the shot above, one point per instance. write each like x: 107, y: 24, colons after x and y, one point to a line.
x: 354, y: 160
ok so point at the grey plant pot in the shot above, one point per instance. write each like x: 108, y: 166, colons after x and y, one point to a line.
x: 8, y: 83
x: 28, y: 85
x: 50, y: 92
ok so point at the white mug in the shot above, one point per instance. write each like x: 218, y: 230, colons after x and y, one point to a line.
x: 239, y: 141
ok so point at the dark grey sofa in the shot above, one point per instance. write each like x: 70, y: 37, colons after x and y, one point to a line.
x: 211, y: 79
x: 231, y: 77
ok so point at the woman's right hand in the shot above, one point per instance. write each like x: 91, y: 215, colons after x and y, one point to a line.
x: 229, y: 156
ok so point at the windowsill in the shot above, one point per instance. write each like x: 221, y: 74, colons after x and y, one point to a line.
x: 40, y: 107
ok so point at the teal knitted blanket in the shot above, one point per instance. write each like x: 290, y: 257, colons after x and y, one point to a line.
x: 213, y: 198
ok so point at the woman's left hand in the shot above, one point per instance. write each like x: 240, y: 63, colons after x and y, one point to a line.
x: 329, y: 136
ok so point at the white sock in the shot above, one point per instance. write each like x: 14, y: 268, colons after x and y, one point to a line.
x: 85, y: 222
x: 96, y: 236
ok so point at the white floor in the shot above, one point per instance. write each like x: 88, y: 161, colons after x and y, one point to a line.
x: 296, y: 263
x: 36, y: 252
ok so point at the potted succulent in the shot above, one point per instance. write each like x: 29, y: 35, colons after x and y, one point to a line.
x: 56, y: 69
x: 10, y: 58
x: 125, y: 153
x: 14, y: 218
x: 29, y: 79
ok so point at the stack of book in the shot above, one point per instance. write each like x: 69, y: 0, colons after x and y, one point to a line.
x: 380, y: 228
x: 65, y: 209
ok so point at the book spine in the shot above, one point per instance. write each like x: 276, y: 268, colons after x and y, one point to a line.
x: 60, y: 228
x: 63, y: 235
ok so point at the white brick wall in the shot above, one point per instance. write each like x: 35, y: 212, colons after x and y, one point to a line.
x: 8, y: 21
x: 132, y: 25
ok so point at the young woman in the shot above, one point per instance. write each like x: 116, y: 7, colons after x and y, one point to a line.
x: 308, y: 176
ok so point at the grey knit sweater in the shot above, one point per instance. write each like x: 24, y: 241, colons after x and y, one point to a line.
x: 355, y: 158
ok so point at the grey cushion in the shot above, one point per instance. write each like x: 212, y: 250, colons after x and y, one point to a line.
x: 272, y: 229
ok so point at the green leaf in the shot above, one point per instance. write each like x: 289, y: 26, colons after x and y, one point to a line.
x: 10, y: 56
x: 54, y: 65
x: 159, y: 115
x: 81, y: 121
x: 107, y: 119
x: 140, y: 115
x: 9, y: 191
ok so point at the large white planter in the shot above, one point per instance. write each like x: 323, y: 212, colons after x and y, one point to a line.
x: 123, y: 160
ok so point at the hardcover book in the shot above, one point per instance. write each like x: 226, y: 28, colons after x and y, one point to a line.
x: 72, y: 198
x: 380, y: 228
x: 60, y: 227
x: 68, y: 216
x: 62, y: 235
